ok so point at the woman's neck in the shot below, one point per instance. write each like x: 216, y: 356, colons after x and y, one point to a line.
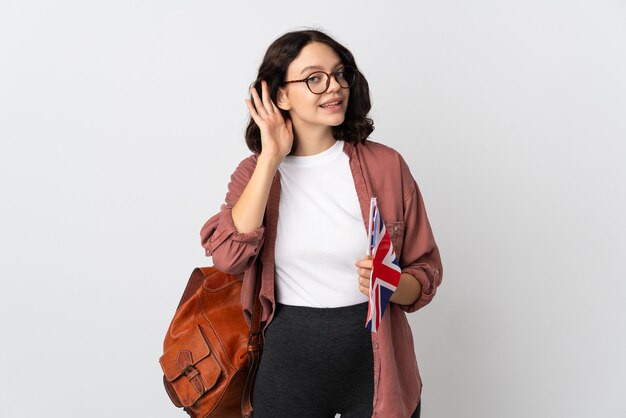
x: 311, y: 143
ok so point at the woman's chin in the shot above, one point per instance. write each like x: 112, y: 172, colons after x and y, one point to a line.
x: 337, y: 120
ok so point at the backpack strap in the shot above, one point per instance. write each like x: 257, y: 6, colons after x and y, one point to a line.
x: 254, y: 348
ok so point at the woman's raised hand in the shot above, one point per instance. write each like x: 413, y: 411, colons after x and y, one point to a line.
x: 276, y: 141
x: 276, y: 132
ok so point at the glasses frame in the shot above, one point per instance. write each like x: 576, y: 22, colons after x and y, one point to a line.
x: 328, y: 76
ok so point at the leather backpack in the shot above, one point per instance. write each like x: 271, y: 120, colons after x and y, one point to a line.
x: 210, y: 355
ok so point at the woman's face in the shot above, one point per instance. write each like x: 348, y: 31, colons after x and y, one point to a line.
x: 309, y: 110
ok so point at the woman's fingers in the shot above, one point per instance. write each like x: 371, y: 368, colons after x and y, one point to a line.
x: 365, y: 262
x: 267, y: 100
x: 364, y: 274
x: 276, y: 131
x: 364, y: 285
x: 253, y: 113
x: 264, y: 106
x: 258, y: 104
x: 364, y: 271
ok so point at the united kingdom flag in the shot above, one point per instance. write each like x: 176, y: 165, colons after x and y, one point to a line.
x: 386, y: 270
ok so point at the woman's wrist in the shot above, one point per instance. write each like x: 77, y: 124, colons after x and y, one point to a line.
x: 408, y: 291
x: 269, y: 161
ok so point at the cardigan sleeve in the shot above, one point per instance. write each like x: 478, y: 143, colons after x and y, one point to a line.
x: 420, y: 255
x: 233, y: 252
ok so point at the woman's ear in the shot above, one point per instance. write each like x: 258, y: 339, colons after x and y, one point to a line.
x: 282, y: 101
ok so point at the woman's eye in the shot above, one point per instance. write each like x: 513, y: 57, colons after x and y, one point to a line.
x: 314, y: 79
x: 340, y: 74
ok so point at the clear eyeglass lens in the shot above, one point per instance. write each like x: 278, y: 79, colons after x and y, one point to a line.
x: 317, y: 82
x: 345, y: 77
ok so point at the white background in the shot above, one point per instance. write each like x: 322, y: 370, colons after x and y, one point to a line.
x: 121, y: 122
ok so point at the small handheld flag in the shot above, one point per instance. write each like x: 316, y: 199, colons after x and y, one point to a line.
x: 386, y: 271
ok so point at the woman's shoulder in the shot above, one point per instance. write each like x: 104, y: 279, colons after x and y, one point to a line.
x: 385, y: 161
x: 375, y: 151
x: 243, y: 171
x: 250, y: 159
x: 247, y: 164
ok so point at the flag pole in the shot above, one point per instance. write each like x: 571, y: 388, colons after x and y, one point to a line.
x: 369, y: 228
x: 369, y: 320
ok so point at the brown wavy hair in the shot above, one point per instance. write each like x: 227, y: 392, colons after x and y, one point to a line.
x: 356, y: 127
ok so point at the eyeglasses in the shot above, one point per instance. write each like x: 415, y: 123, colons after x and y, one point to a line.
x: 319, y: 81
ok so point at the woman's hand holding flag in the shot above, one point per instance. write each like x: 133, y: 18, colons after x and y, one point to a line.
x: 380, y: 274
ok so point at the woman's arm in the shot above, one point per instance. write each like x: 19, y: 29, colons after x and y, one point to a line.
x: 233, y: 252
x: 276, y: 143
x: 234, y: 235
x: 408, y: 291
x: 249, y: 210
x: 419, y: 255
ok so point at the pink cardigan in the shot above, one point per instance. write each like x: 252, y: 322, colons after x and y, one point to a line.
x: 378, y: 171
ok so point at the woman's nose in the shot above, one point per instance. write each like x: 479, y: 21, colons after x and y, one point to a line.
x: 333, y: 85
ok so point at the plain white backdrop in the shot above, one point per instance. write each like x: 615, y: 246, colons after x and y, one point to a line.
x: 121, y: 122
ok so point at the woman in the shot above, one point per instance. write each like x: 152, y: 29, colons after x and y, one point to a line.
x: 313, y: 164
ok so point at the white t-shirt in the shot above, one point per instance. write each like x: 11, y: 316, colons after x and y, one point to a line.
x: 320, y: 231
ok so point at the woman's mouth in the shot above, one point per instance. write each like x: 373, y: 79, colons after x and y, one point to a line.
x: 332, y: 105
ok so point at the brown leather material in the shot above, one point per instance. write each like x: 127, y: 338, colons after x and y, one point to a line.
x: 246, y: 402
x: 254, y: 353
x: 209, y: 351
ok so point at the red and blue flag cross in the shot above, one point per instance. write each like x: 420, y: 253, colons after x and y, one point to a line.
x: 385, y: 275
